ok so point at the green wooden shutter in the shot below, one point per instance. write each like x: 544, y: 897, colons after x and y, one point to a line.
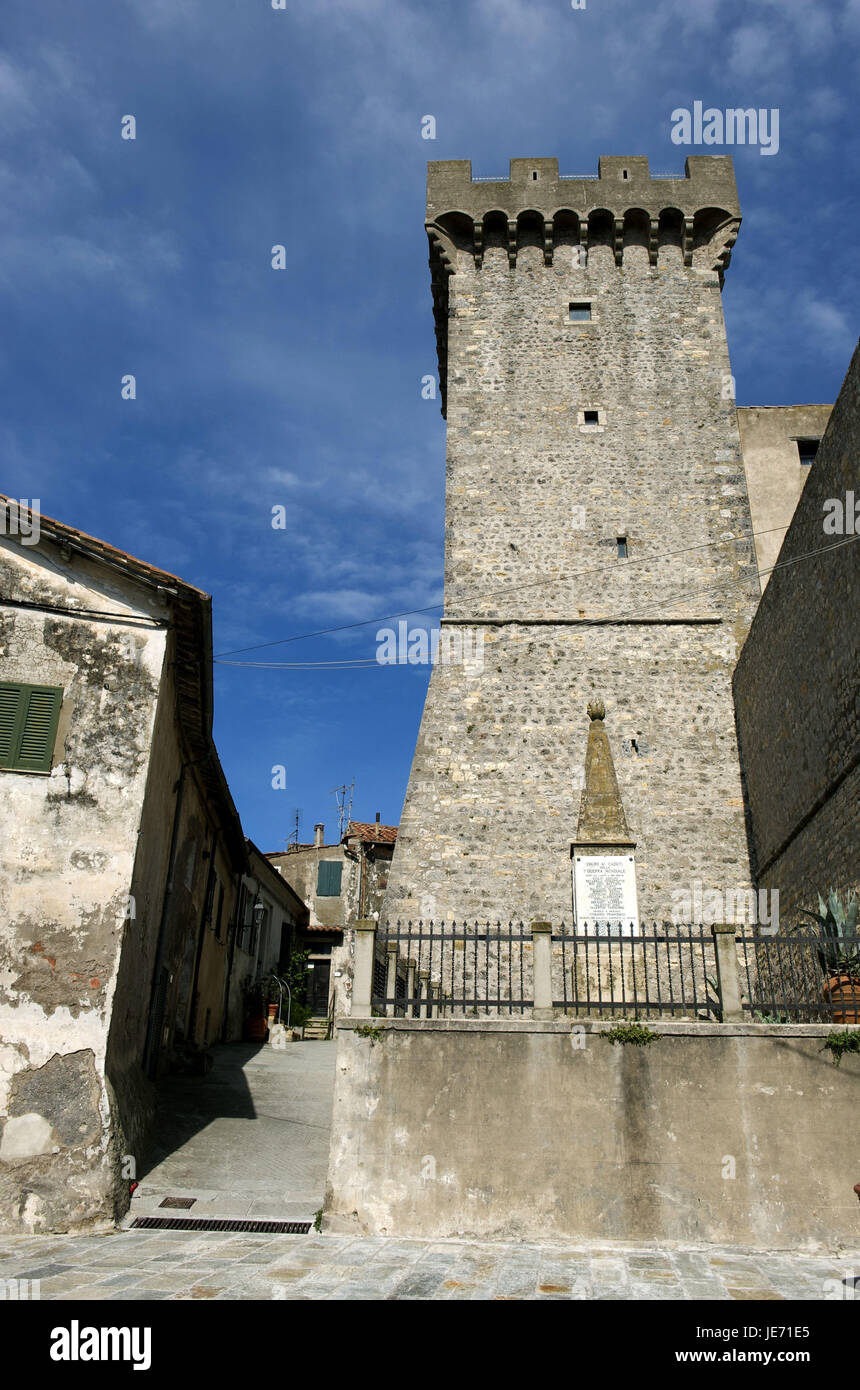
x: 328, y: 878
x: 28, y: 725
x: 10, y: 701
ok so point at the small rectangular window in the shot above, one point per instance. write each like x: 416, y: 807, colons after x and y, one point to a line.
x: 807, y: 449
x: 591, y: 417
x: 211, y: 885
x: 328, y: 878
x: 29, y: 715
x: 579, y: 313
x: 621, y: 542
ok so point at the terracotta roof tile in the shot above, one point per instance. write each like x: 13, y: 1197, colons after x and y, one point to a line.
x: 371, y: 830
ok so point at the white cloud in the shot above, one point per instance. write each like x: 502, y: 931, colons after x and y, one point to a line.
x: 830, y: 324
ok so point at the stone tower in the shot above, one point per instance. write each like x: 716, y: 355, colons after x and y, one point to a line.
x: 598, y: 539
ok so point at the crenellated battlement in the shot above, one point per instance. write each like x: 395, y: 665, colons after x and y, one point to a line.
x: 623, y: 215
x: 622, y: 184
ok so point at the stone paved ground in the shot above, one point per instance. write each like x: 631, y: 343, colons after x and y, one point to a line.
x: 190, y: 1265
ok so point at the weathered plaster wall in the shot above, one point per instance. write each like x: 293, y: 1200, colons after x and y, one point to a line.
x: 300, y: 868
x: 521, y: 1130
x: 797, y: 688
x: 775, y: 476
x: 201, y: 1022
x: 67, y: 848
x: 132, y: 1088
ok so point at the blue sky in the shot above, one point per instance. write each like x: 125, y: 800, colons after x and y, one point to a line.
x: 301, y: 387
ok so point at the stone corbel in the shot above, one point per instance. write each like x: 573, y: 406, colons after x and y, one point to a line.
x: 547, y: 241
x: 583, y: 238
x: 653, y: 229
x: 729, y: 233
x: 688, y: 241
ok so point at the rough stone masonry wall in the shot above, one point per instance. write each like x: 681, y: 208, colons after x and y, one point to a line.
x: 719, y: 1133
x: 797, y: 688
x: 67, y: 847
x: 493, y: 797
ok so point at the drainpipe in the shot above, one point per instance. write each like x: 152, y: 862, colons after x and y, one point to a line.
x: 201, y: 941
x: 231, y: 950
x: 152, y: 1045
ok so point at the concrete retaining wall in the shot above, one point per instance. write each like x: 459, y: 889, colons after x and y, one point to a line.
x: 742, y: 1134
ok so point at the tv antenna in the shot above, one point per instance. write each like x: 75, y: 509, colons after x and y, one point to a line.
x: 293, y: 838
x: 343, y: 796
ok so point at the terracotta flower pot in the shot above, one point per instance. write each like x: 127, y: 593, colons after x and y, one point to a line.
x: 255, y: 1028
x: 844, y: 993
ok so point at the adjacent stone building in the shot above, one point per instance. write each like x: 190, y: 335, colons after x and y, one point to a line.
x: 269, y: 918
x: 598, y: 536
x: 779, y: 444
x: 340, y: 884
x: 120, y: 856
x: 797, y: 684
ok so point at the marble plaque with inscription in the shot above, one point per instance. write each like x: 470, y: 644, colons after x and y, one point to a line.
x: 604, y: 893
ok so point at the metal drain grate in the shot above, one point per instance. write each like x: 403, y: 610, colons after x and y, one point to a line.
x: 190, y: 1223
x: 183, y: 1203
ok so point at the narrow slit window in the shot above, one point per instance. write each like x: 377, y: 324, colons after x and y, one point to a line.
x: 807, y: 449
x: 591, y: 417
x: 621, y: 543
x: 580, y: 313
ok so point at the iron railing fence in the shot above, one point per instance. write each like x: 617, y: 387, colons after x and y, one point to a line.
x: 480, y: 970
x: 663, y: 972
x: 794, y: 978
x: 432, y: 969
x: 453, y: 969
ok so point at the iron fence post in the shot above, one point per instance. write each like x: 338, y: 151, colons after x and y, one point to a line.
x: 362, y: 980
x: 728, y: 977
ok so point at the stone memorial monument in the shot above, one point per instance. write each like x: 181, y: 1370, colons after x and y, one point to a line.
x: 602, y: 855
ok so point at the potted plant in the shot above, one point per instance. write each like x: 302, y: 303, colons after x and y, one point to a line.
x: 256, y: 1023
x: 839, y: 953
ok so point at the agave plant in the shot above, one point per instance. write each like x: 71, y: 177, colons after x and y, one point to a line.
x: 836, y: 929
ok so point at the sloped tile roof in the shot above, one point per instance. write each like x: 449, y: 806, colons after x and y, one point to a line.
x: 371, y: 830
